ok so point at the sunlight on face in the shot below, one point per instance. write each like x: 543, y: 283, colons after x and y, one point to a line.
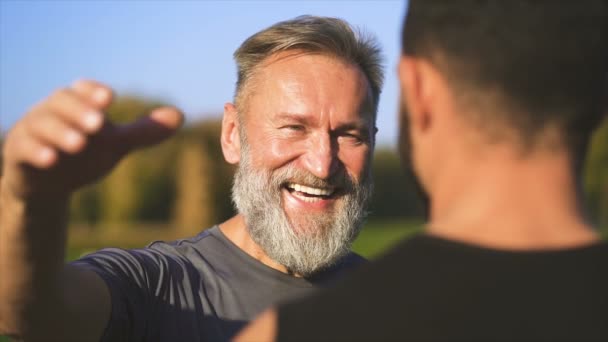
x: 303, y: 181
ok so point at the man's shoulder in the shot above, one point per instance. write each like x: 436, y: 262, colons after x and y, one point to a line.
x: 156, y: 254
x: 352, y: 260
x: 345, y: 265
x: 208, y: 240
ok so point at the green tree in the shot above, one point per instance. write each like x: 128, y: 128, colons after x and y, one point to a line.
x: 204, y: 179
x: 141, y: 186
x: 596, y: 176
x: 395, y: 194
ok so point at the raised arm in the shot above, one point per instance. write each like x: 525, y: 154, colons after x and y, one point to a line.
x: 62, y: 144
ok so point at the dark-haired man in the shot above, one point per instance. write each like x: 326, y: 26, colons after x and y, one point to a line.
x: 500, y: 99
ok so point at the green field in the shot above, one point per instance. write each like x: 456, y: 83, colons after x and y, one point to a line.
x: 375, y: 237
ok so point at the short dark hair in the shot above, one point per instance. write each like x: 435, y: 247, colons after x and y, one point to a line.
x: 547, y: 61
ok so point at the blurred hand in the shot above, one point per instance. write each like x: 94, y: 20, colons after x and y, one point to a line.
x: 65, y: 142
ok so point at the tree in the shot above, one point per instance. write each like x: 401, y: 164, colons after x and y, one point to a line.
x: 140, y: 188
x: 596, y: 176
x: 204, y: 179
x: 395, y: 195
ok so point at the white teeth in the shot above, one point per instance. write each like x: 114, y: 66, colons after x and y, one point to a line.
x: 307, y: 199
x: 310, y: 190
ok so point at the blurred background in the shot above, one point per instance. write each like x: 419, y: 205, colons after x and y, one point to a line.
x: 180, y: 53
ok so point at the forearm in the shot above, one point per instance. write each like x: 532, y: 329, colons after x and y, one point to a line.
x: 32, y: 250
x: 60, y: 145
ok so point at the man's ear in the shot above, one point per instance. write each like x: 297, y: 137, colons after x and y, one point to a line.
x: 230, y: 138
x: 417, y: 89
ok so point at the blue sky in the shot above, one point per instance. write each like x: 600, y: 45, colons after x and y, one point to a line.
x: 177, y: 51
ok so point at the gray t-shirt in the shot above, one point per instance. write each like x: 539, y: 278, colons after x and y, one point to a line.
x: 200, y: 289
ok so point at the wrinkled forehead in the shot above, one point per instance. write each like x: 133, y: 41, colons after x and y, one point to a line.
x: 318, y: 77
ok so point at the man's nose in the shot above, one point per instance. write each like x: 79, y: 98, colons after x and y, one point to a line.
x: 321, y: 158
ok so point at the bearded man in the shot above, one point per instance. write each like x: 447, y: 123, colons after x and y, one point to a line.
x: 301, y: 129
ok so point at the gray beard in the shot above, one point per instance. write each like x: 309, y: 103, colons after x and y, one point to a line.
x: 314, y: 242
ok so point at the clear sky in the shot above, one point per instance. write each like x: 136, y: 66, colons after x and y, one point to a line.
x: 177, y: 51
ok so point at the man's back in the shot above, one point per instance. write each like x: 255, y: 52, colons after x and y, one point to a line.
x: 430, y: 288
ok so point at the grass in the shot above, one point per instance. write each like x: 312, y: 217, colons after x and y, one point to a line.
x: 378, y: 236
x: 375, y: 237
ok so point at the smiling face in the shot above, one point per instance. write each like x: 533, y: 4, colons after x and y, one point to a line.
x: 315, y: 113
x: 306, y: 142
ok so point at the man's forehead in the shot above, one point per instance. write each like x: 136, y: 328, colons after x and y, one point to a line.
x: 360, y: 120
x: 303, y: 72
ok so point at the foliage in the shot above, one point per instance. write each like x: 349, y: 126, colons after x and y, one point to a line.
x: 376, y: 237
x: 394, y: 192
x: 203, y: 179
x: 207, y: 133
x: 186, y: 183
x: 140, y: 188
x: 596, y: 175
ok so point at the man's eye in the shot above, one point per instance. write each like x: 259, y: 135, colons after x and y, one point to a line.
x: 353, y: 138
x: 296, y: 128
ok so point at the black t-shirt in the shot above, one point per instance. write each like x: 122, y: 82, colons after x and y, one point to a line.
x: 428, y: 288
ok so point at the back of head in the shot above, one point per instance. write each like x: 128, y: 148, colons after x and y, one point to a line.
x: 526, y: 67
x: 310, y: 34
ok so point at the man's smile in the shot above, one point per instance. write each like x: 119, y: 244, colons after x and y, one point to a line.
x: 321, y: 196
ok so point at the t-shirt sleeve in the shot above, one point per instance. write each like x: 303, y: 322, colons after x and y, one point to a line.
x: 132, y: 277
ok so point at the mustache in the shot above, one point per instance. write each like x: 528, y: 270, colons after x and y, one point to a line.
x: 291, y: 174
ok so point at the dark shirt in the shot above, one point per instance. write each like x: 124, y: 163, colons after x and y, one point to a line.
x: 199, y: 289
x: 429, y: 288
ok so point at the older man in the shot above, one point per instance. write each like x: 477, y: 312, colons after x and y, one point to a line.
x: 500, y: 99
x: 302, y: 132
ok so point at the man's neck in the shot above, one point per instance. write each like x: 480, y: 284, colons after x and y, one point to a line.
x: 235, y: 229
x: 511, y: 202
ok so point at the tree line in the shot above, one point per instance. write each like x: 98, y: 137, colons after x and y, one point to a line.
x: 185, y: 183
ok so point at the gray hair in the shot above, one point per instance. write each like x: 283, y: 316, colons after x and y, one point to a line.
x: 330, y: 36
